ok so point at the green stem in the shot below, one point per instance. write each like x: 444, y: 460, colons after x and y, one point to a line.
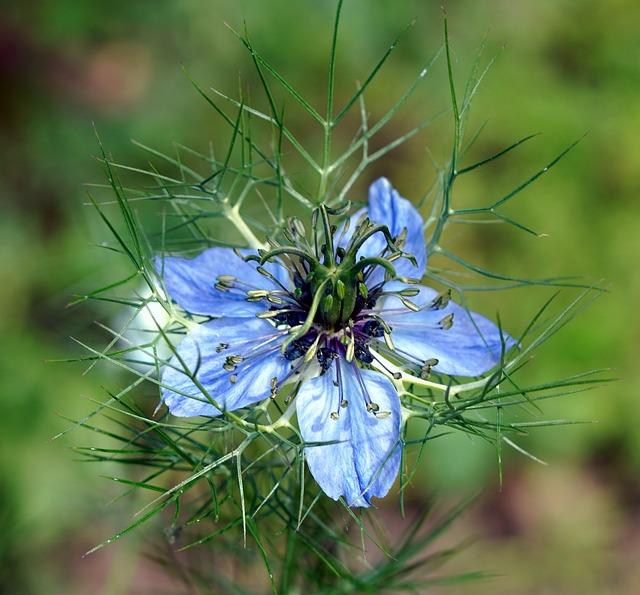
x: 233, y: 215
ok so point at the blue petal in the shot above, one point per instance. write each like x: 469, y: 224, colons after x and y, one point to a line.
x: 198, y: 351
x: 190, y: 282
x: 387, y: 207
x: 471, y: 347
x: 363, y: 458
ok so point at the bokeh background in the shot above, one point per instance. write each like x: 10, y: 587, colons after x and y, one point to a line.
x: 564, y: 68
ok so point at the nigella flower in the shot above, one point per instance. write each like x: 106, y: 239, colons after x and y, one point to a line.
x: 337, y: 316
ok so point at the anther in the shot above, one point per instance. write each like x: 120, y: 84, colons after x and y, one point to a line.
x: 382, y: 414
x: 335, y: 415
x: 410, y: 280
x: 425, y: 370
x: 401, y: 238
x: 344, y: 403
x: 312, y: 350
x: 373, y: 407
x: 231, y: 362
x: 409, y: 292
x: 297, y: 227
x: 269, y: 313
x: 447, y: 322
x: 351, y: 347
x: 410, y: 305
x: 226, y: 280
x: 233, y: 378
x: 441, y: 301
x: 393, y: 257
x: 265, y: 273
x: 221, y: 347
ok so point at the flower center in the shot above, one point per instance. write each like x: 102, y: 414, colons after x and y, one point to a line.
x: 328, y: 304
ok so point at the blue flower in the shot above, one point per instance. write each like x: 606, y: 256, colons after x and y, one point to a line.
x: 336, y: 315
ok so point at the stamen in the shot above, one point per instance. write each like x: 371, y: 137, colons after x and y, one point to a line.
x: 336, y: 414
x: 409, y: 304
x: 447, y: 322
x: 381, y: 362
x: 345, y: 229
x: 257, y: 293
x: 441, y: 301
x: 297, y: 227
x: 265, y: 273
x: 409, y: 292
x: 312, y: 350
x: 226, y: 280
x: 370, y: 405
x: 401, y: 238
x: 425, y: 370
x: 325, y: 357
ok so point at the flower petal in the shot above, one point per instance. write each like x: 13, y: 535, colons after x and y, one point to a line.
x: 190, y: 282
x: 470, y: 347
x: 363, y: 458
x: 201, y: 352
x: 387, y: 207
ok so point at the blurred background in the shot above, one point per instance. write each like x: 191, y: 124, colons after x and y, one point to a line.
x: 564, y: 68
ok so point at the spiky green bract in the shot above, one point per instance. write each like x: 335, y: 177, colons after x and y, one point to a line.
x: 236, y: 485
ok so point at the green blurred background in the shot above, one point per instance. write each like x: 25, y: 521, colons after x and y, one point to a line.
x: 569, y: 67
